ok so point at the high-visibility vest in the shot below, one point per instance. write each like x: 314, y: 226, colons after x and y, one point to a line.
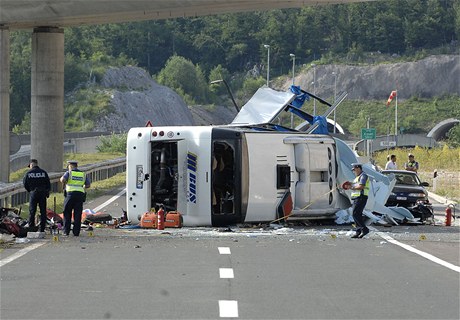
x: 75, y: 182
x: 364, y: 192
x: 412, y: 164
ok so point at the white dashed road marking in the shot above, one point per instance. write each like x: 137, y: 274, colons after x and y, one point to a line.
x: 228, y: 309
x: 224, y: 250
x: 226, y: 273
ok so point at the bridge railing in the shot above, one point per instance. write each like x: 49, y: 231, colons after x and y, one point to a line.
x: 14, y: 194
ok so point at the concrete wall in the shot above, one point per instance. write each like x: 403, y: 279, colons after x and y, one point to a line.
x: 85, y: 145
x: 403, y: 140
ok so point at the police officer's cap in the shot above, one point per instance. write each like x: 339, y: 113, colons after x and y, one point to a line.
x: 356, y: 165
x: 73, y: 162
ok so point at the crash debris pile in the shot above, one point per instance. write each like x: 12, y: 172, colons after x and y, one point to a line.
x: 421, y: 213
x: 91, y: 219
x: 11, y: 222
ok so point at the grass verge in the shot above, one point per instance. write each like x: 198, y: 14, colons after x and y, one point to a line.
x: 56, y: 200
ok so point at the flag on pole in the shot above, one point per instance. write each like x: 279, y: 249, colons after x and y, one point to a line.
x: 391, y: 97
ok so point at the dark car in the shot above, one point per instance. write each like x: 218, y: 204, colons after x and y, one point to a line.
x: 408, y: 190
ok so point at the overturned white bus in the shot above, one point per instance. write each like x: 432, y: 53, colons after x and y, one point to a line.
x: 247, y: 171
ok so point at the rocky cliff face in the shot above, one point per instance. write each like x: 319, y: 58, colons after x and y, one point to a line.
x: 137, y: 98
x: 432, y: 76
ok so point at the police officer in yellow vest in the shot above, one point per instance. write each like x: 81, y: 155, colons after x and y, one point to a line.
x: 411, y: 165
x: 75, y: 182
x: 359, y: 193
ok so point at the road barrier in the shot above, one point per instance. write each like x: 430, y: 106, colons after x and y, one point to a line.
x: 13, y: 194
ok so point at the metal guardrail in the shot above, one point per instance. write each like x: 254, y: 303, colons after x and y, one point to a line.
x: 14, y: 194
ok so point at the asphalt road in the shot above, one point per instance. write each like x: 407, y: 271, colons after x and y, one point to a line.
x: 293, y: 272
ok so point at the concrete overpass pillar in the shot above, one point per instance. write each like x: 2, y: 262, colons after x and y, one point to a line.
x: 47, y: 110
x: 4, y: 104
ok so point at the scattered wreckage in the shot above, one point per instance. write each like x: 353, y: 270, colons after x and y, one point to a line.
x: 12, y: 223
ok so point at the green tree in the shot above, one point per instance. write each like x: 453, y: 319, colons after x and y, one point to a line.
x: 387, y: 23
x: 75, y: 72
x: 20, y: 76
x: 250, y: 86
x: 185, y: 78
x: 113, y: 144
x: 219, y: 73
x: 456, y: 17
x: 453, y: 136
x: 428, y: 24
x: 24, y: 126
x: 278, y: 31
x: 359, y: 122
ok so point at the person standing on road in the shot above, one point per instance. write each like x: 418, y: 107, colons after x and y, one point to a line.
x: 37, y: 183
x: 75, y: 182
x: 411, y: 165
x: 391, y: 164
x: 359, y: 194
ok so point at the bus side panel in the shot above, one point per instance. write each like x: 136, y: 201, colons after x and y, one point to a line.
x: 266, y: 152
x: 322, y: 175
x: 138, y: 188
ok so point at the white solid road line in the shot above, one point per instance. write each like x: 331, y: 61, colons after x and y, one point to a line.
x: 115, y: 197
x: 416, y: 251
x: 20, y: 253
